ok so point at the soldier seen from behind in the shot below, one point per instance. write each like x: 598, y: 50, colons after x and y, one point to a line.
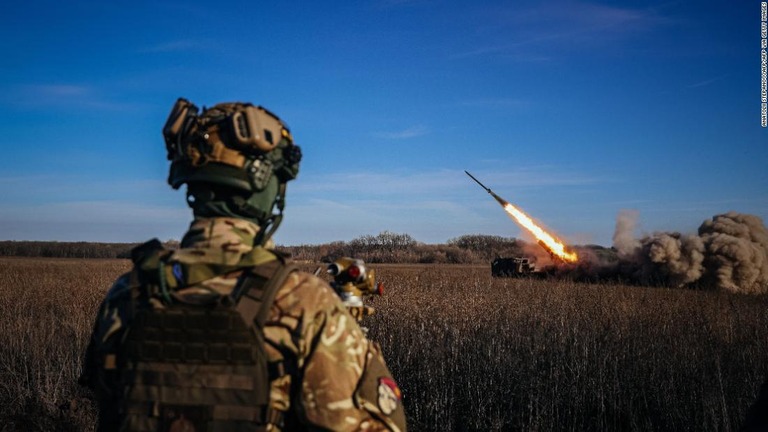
x: 225, y: 334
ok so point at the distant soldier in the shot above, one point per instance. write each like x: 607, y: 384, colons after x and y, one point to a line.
x: 224, y: 334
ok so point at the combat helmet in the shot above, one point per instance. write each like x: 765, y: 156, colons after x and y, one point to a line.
x: 235, y: 158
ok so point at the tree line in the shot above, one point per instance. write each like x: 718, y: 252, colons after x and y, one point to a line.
x: 53, y: 249
x: 389, y: 247
x: 386, y: 247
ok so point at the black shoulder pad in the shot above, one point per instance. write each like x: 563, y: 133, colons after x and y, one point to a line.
x: 143, y: 250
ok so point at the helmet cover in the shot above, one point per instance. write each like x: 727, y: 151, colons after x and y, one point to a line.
x: 236, y: 147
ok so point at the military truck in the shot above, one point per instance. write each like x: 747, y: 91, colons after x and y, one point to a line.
x: 511, y: 267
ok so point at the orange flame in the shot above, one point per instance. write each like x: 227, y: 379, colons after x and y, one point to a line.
x: 554, y: 246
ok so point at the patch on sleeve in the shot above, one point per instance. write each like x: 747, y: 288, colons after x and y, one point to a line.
x: 389, y: 395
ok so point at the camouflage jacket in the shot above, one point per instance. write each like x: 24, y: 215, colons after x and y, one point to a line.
x: 337, y: 379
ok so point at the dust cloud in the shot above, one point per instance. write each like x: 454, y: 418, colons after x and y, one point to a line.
x: 729, y: 252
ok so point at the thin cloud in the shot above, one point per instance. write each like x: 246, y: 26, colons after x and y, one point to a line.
x: 173, y: 46
x: 442, y: 183
x: 508, y: 46
x: 48, y: 187
x: 594, y: 17
x: 711, y: 206
x: 706, y: 82
x: 411, y: 132
x: 494, y: 103
x: 375, y: 184
x: 58, y: 90
x: 60, y: 95
x: 93, y: 211
x: 550, y: 24
x: 397, y: 3
x: 544, y: 175
x: 55, y: 92
x: 343, y: 220
x: 104, y: 221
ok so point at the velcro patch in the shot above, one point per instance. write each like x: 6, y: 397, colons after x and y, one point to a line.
x: 389, y: 395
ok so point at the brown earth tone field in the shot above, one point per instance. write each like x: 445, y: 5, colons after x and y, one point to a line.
x: 470, y: 352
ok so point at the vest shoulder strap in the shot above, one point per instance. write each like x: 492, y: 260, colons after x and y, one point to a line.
x: 258, y: 287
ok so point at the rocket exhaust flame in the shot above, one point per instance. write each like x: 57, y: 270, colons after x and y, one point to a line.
x: 547, y: 240
x: 556, y: 247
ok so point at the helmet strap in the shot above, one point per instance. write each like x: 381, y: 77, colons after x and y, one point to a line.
x: 273, y: 222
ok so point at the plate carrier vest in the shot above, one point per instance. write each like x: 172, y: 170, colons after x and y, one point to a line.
x: 197, y: 367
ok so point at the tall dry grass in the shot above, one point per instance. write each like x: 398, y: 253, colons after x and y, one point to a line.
x: 476, y: 353
x: 469, y: 351
x: 47, y: 308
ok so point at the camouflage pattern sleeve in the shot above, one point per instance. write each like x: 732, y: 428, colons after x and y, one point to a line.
x: 99, y: 371
x: 342, y: 382
x: 109, y: 321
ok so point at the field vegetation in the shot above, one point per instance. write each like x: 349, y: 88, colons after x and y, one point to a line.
x: 470, y: 352
x: 47, y: 308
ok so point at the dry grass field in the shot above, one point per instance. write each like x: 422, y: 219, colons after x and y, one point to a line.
x: 470, y: 352
x: 47, y: 308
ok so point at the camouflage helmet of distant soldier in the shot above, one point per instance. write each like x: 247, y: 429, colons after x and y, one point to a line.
x: 235, y: 158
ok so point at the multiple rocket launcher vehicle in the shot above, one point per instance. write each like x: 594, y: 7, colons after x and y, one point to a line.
x: 354, y: 283
x: 519, y: 265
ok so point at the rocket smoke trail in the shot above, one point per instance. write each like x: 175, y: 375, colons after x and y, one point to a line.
x: 547, y: 240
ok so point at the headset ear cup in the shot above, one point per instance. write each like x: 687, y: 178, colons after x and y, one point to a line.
x: 292, y: 154
x: 288, y: 168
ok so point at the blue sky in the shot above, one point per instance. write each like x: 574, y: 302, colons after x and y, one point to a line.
x: 571, y: 110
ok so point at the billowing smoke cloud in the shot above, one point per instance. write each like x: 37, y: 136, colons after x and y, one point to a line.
x: 730, y: 252
x: 624, y: 236
x: 736, y: 252
x: 674, y: 258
